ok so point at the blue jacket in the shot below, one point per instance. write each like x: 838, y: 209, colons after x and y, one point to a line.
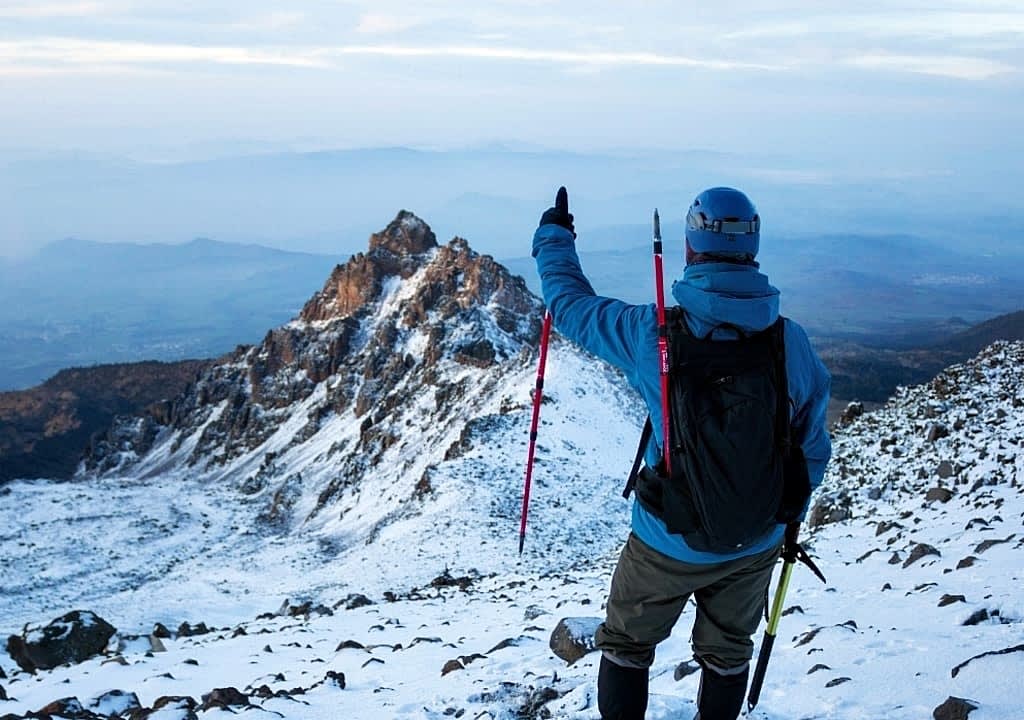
x: 626, y: 336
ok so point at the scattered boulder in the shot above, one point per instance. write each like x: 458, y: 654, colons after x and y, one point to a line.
x: 686, y: 668
x: 354, y: 601
x: 852, y: 411
x: 451, y: 666
x: 954, y: 709
x: 533, y: 706
x: 160, y: 631
x: 945, y: 470
x: 114, y: 702
x: 303, y: 609
x: 1005, y: 651
x: 573, y: 638
x: 224, y: 698
x: 337, y: 679
x: 819, y: 666
x: 349, y: 645
x: 939, y: 494
x: 71, y: 638
x: 176, y: 707
x: 446, y: 579
x: 533, y: 612
x: 948, y: 599
x: 68, y: 707
x: 986, y: 544
x: 966, y: 562
x: 837, y: 681
x: 830, y: 508
x: 509, y: 642
x: 919, y: 551
x: 187, y: 630
x: 885, y: 526
x: 936, y: 431
x: 979, y: 616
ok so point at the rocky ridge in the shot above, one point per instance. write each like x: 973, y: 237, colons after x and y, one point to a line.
x: 45, y: 430
x: 407, y: 329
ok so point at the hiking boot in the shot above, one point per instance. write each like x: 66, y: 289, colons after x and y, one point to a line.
x: 621, y: 691
x: 721, y: 696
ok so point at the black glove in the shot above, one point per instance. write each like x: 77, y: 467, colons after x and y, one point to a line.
x: 559, y: 214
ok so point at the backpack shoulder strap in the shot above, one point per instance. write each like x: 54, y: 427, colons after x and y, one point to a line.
x: 645, y: 437
x: 782, y: 420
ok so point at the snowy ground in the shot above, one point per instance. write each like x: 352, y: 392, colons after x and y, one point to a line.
x: 153, y: 550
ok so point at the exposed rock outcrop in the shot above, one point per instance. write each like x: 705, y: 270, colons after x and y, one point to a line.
x: 71, y: 638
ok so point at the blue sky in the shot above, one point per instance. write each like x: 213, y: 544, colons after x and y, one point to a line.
x: 827, y: 78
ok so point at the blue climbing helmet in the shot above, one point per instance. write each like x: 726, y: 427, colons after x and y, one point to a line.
x: 723, y: 221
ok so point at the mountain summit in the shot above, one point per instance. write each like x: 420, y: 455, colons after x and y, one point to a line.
x: 406, y: 315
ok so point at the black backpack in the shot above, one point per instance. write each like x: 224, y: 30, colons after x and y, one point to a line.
x: 735, y: 471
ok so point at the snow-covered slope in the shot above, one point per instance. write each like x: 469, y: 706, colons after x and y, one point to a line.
x: 215, y: 511
x: 374, y: 441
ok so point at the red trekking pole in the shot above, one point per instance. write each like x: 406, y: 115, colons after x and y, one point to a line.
x: 659, y: 286
x: 538, y: 395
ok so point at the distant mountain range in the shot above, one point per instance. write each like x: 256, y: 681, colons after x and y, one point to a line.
x: 329, y: 200
x: 889, y: 290
x: 78, y: 303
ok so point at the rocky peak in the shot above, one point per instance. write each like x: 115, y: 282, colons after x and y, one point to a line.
x: 401, y: 249
x: 407, y: 234
x: 396, y: 322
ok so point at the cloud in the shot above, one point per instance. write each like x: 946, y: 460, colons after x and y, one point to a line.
x: 378, y: 24
x: 51, y: 9
x: 924, y: 24
x: 53, y: 54
x: 70, y: 52
x: 566, y: 57
x: 277, y: 20
x: 948, y: 66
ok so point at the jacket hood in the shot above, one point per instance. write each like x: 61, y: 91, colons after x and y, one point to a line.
x: 713, y: 294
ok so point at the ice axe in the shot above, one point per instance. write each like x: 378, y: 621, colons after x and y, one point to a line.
x: 791, y: 552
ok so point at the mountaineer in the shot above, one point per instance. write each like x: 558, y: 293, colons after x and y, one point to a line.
x: 747, y: 416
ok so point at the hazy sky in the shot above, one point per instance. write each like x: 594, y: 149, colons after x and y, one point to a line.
x: 816, y: 76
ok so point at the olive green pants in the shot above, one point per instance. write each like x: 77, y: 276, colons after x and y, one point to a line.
x: 649, y: 591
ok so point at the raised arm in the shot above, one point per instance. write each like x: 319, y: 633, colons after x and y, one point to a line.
x: 609, y: 328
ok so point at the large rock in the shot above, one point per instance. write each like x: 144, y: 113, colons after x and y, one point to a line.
x: 71, y: 638
x: 225, y: 698
x: 168, y: 707
x: 919, y: 551
x: 830, y: 508
x: 573, y: 638
x: 114, y: 702
x: 954, y: 709
x: 68, y: 708
x: 938, y: 494
x: 852, y: 411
